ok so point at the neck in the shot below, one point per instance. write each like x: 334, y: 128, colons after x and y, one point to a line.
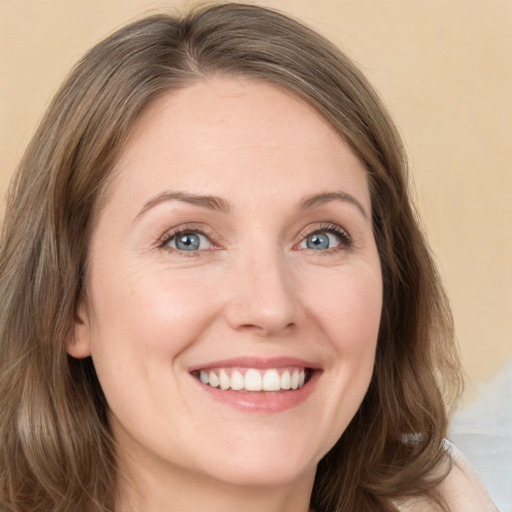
x: 183, y: 491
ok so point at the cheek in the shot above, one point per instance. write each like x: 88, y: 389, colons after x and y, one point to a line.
x: 142, y: 325
x: 349, y: 310
x: 152, y: 314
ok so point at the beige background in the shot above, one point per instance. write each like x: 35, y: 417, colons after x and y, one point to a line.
x: 444, y: 67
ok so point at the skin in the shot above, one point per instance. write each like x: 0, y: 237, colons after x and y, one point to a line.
x: 253, y: 289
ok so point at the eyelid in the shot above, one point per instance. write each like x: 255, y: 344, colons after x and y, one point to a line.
x: 200, y: 229
x: 346, y: 241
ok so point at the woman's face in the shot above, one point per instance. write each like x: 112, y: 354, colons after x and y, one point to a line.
x: 234, y: 252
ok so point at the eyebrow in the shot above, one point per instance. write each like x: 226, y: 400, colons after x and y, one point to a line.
x: 219, y: 204
x: 205, y: 201
x: 318, y: 199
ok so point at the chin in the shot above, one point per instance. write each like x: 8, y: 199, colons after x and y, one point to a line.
x: 268, y: 474
x: 264, y: 466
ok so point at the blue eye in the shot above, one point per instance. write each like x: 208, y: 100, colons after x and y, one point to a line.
x: 321, y: 241
x: 188, y: 241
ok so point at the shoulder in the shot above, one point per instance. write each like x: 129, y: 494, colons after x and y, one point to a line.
x: 461, y: 489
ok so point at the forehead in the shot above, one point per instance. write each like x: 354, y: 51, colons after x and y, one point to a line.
x: 223, y: 131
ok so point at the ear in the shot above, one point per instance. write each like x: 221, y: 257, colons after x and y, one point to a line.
x: 79, y: 346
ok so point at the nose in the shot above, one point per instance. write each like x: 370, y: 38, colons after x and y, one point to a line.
x: 262, y: 296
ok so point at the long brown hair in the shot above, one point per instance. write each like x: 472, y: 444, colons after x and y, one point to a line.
x: 56, y: 449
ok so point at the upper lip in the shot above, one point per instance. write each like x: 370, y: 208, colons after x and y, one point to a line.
x: 256, y: 362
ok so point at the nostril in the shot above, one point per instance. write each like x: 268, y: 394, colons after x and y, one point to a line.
x: 266, y: 328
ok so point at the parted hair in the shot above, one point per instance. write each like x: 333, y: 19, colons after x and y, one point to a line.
x: 56, y: 449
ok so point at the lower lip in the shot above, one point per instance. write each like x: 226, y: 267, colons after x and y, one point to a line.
x: 262, y: 401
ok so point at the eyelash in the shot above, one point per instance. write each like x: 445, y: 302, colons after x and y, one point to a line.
x: 346, y: 242
x: 170, y: 235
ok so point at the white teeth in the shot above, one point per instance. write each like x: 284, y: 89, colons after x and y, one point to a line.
x: 254, y: 380
x: 213, y: 379
x: 224, y: 380
x: 271, y: 381
x: 237, y: 381
x: 302, y: 378
x: 295, y: 379
x: 286, y: 382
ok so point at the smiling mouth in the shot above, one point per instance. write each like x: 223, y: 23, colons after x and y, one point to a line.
x: 254, y: 380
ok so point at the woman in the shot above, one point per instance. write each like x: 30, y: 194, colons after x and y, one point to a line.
x: 216, y: 294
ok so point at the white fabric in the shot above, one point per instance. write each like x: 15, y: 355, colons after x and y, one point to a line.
x: 483, y: 432
x: 461, y: 489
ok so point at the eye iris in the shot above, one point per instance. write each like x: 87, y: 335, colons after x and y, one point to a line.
x: 188, y: 242
x: 317, y: 241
